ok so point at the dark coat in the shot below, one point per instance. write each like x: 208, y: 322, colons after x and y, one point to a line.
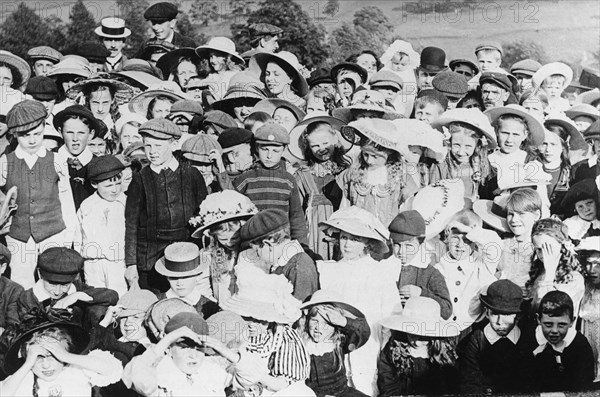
x: 302, y: 273
x: 432, y: 284
x: 9, y: 294
x: 179, y: 40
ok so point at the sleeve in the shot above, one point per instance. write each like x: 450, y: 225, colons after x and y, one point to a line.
x: 437, y: 289
x: 200, y: 189
x: 388, y: 382
x: 3, y: 170
x: 12, y: 312
x: 304, y: 277
x: 469, y: 367
x: 357, y: 332
x: 491, y: 246
x: 298, y: 227
x: 133, y: 205
x: 114, y: 369
x: 140, y: 373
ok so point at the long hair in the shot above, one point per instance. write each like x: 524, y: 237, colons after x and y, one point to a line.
x: 16, y: 75
x: 338, y: 338
x: 480, y: 165
x: 337, y: 158
x: 562, y: 137
x: 527, y: 141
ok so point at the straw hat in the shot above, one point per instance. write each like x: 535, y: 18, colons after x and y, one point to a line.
x: 262, y: 296
x: 588, y: 97
x: 220, y: 207
x: 418, y: 133
x: 358, y: 222
x: 493, y: 212
x: 331, y: 297
x: 366, y: 100
x: 420, y: 316
x: 183, y: 260
x: 535, y: 127
x: 20, y: 66
x: 112, y: 28
x: 297, y: 141
x: 550, y: 69
x: 583, y: 109
x: 473, y: 117
x: 287, y: 61
x: 123, y: 91
x: 382, y: 132
x: 269, y: 105
x: 220, y: 44
x: 139, y: 104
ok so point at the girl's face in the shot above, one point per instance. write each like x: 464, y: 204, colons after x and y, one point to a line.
x: 218, y: 61
x: 539, y: 240
x: 183, y: 286
x: 502, y: 324
x: 285, y: 118
x: 459, y: 246
x: 276, y: 79
x: 228, y: 236
x: 511, y: 134
x: 535, y: 107
x: 132, y: 327
x: 47, y: 367
x: 368, y: 62
x: 521, y: 223
x: 586, y: 209
x: 129, y: 134
x: 414, y: 154
x: 551, y: 148
x: 322, y: 144
x: 6, y: 77
x: 345, y: 85
x: 188, y: 358
x: 161, y: 109
x: 352, y: 247
x: 462, y: 147
x: 373, y: 158
x: 319, y: 329
x: 185, y: 70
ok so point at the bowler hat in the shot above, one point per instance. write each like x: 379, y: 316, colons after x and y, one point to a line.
x: 433, y: 60
x: 104, y: 167
x: 25, y: 116
x: 59, y: 265
x: 112, y: 28
x: 75, y: 110
x: 160, y: 129
x: 272, y: 134
x: 232, y: 137
x: 182, y: 260
x: 503, y: 297
x: 42, y: 88
x: 44, y: 52
x: 407, y: 225
x: 496, y: 78
x: 162, y: 11
x: 263, y: 224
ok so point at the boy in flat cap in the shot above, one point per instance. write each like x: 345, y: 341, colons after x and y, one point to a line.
x: 165, y: 183
x: 237, y: 152
x: 43, y: 58
x: 489, y: 56
x: 162, y: 17
x: 102, y: 220
x: 264, y: 39
x: 96, y: 54
x: 60, y: 287
x: 46, y: 212
x: 9, y: 293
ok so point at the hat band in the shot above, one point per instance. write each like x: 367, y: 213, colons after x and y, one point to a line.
x: 113, y: 31
x: 181, y: 266
x: 499, y: 210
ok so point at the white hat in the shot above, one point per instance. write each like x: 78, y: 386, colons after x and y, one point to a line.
x: 535, y: 127
x: 288, y: 61
x: 548, y: 70
x: 220, y: 207
x: 414, y: 132
x: 472, y: 117
x: 220, y: 44
x: 420, y: 316
x: 113, y: 28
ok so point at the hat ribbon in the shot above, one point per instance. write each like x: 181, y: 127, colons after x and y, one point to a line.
x: 181, y: 266
x: 113, y: 31
x: 499, y: 210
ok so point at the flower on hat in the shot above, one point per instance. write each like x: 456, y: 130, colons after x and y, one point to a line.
x: 221, y: 206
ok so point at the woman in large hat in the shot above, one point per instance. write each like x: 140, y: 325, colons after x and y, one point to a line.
x: 179, y: 65
x: 244, y: 92
x: 224, y: 62
x: 14, y: 71
x: 156, y: 102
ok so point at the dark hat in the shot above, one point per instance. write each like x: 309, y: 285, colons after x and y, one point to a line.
x: 499, y: 79
x: 386, y: 78
x: 433, y: 59
x: 503, y: 297
x: 232, y: 137
x: 187, y: 106
x: 456, y: 62
x: 104, y: 167
x: 320, y: 76
x: 160, y: 129
x: 436, y: 95
x: 407, y: 225
x: 272, y: 133
x: 25, y: 116
x: 593, y: 131
x: 93, y: 51
x: 453, y: 85
x: 161, y: 12
x: 582, y: 190
x: 42, y: 88
x: 169, y: 62
x: 59, y: 265
x: 264, y: 29
x: 76, y: 110
x: 219, y: 120
x: 156, y: 46
x: 44, y: 52
x: 489, y: 45
x: 263, y: 224
x: 5, y: 255
x: 362, y: 72
x: 193, y: 321
x: 526, y: 66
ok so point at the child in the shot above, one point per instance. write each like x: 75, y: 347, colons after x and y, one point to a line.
x: 582, y: 199
x: 9, y: 293
x: 489, y: 56
x: 590, y: 305
x: 332, y: 329
x: 186, y: 270
x: 46, y: 213
x: 553, y: 154
x: 268, y: 234
x: 564, y: 360
x: 59, y: 287
x: 469, y: 264
x: 165, y: 183
x: 127, y: 129
x: 471, y: 138
x: 497, y: 358
x: 419, y: 358
x: 429, y: 105
x: 269, y: 185
x: 237, y: 150
x: 553, y: 78
x: 554, y: 264
x: 205, y: 153
x: 102, y: 221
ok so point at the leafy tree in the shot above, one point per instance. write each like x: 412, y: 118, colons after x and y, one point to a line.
x: 204, y: 11
x: 522, y: 49
x: 132, y: 11
x: 331, y: 8
x: 239, y: 8
x: 57, y: 31
x: 374, y: 22
x: 300, y: 35
x: 80, y: 27
x: 22, y: 30
x: 344, y: 41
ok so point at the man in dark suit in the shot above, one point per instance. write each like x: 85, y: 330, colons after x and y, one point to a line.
x: 162, y: 17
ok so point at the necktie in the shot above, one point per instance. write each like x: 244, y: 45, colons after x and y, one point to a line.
x: 74, y: 162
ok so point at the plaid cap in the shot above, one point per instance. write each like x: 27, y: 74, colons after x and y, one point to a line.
x: 59, y: 265
x: 42, y: 88
x: 104, y: 167
x: 44, y: 52
x: 25, y: 116
x: 160, y: 129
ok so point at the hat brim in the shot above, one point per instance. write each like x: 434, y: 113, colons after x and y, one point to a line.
x: 296, y: 146
x: 349, y: 130
x: 344, y: 306
x: 572, y: 114
x: 60, y: 117
x: 21, y: 66
x: 355, y: 228
x: 264, y: 311
x: 422, y: 327
x: 489, y: 134
x: 576, y: 140
x: 432, y: 68
x: 123, y: 35
x: 227, y: 104
x: 483, y: 208
x: 160, y: 268
x: 499, y: 309
x: 68, y: 71
x: 456, y: 62
x: 123, y: 91
x: 588, y: 97
x: 535, y: 127
x: 204, y: 50
x: 167, y: 62
x: 261, y: 60
x: 202, y: 231
x: 142, y: 78
x: 106, y: 175
x: 139, y: 104
x: 346, y: 114
x: 362, y: 72
x: 269, y: 105
x: 548, y: 70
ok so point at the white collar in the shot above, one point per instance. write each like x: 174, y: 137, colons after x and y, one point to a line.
x: 84, y: 157
x: 22, y: 154
x: 193, y: 298
x: 172, y: 164
x: 291, y: 248
x: 560, y: 347
x: 417, y: 261
x: 41, y: 294
x: 493, y: 337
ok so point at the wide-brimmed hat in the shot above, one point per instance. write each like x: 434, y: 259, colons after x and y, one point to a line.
x: 71, y: 65
x: 535, y: 127
x: 582, y: 190
x: 220, y: 44
x: 358, y: 222
x: 287, y: 61
x: 243, y: 87
x: 220, y: 207
x: 588, y: 97
x: 493, y: 212
x: 583, y: 109
x: 420, y: 316
x: 366, y: 100
x: 576, y: 140
x: 168, y: 62
x: 550, y: 69
x: 354, y: 67
x: 262, y: 296
x: 323, y: 296
x: 170, y: 89
x: 112, y: 28
x: 269, y: 105
x: 473, y: 117
x: 414, y: 132
x: 137, y: 78
x: 381, y: 132
x: 183, y: 260
x: 123, y: 91
x: 20, y: 66
x: 503, y: 297
x: 75, y: 110
x: 297, y: 141
x: 593, y: 131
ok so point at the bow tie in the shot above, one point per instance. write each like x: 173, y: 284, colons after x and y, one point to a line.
x: 74, y: 162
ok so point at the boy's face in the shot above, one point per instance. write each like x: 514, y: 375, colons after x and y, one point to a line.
x: 129, y: 134
x: 424, y: 79
x: 162, y: 29
x: 187, y: 357
x: 56, y: 290
x: 183, y: 286
x: 511, y: 134
x: 586, y: 209
x: 521, y: 223
x: 493, y: 96
x: 269, y: 155
x: 158, y: 151
x: 97, y: 146
x: 555, y: 328
x: 488, y: 60
x: 76, y: 135
x: 407, y: 250
x: 109, y: 189
x: 41, y: 67
x: 554, y: 86
x: 502, y: 324
x: 206, y: 169
x: 524, y: 81
x: 33, y: 140
x: 428, y: 112
x: 132, y: 327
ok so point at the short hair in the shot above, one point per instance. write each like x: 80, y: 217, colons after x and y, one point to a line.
x: 555, y: 77
x: 425, y: 100
x: 84, y: 120
x: 489, y: 51
x: 556, y: 304
x: 524, y: 200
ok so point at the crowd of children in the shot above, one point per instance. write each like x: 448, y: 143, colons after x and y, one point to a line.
x: 199, y: 222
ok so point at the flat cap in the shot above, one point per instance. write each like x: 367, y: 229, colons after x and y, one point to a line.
x: 136, y: 302
x: 160, y: 129
x: 93, y: 51
x: 44, y: 52
x: 42, y: 88
x: 436, y: 95
x: 407, y: 225
x: 187, y: 106
x: 219, y: 120
x: 452, y: 84
x: 161, y: 12
x: 496, y: 78
x: 25, y: 116
x: 273, y: 134
x: 198, y: 147
x: 232, y: 137
x: 386, y: 78
x: 263, y: 224
x: 264, y: 29
x: 59, y: 265
x: 104, y: 167
x: 489, y: 45
x: 525, y: 66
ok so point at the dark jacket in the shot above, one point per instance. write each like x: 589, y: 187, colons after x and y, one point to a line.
x: 432, y: 284
x: 179, y: 40
x: 9, y: 294
x: 302, y: 273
